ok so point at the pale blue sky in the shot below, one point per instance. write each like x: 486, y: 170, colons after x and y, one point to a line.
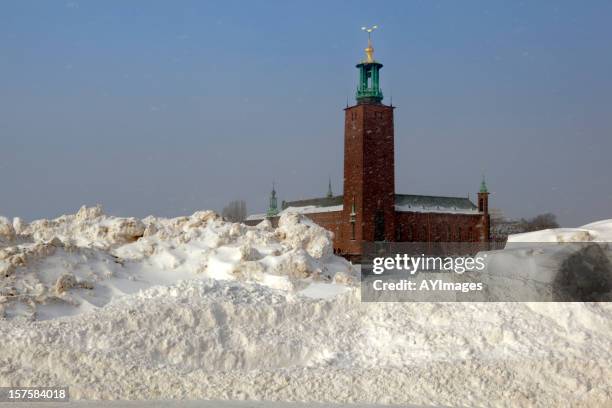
x: 169, y: 107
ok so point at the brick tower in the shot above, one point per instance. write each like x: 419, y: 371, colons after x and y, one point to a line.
x: 369, y: 165
x: 483, y: 207
x: 369, y: 210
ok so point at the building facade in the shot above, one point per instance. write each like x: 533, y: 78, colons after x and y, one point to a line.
x: 369, y: 209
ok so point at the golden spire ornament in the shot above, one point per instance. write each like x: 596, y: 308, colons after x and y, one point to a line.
x: 369, y: 50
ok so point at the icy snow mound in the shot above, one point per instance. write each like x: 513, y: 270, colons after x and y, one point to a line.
x: 218, y: 339
x: 198, y: 308
x: 600, y: 231
x: 561, y: 264
x: 89, y: 227
x: 80, y: 262
x: 45, y: 279
x: 301, y: 233
x: 7, y: 231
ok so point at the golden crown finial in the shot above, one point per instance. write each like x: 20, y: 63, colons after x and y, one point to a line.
x: 369, y: 50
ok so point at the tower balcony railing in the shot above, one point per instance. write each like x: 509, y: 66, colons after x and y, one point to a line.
x: 369, y: 93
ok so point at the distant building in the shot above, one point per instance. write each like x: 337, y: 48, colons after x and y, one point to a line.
x: 370, y: 209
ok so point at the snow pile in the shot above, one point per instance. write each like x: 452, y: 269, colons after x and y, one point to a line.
x: 77, y: 262
x: 561, y: 264
x: 600, y: 231
x: 198, y: 308
x: 302, y: 233
x: 231, y: 340
x: 89, y: 227
x: 7, y: 231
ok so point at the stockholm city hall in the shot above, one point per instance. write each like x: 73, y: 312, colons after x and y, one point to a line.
x: 370, y: 210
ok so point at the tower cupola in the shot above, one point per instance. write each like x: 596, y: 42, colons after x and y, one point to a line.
x: 368, y: 89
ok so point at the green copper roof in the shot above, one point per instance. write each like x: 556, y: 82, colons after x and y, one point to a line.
x: 483, y: 185
x: 273, y: 208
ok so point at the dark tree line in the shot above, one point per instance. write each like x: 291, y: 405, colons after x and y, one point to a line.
x: 501, y: 226
x: 539, y: 222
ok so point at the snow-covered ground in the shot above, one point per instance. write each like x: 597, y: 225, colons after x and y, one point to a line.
x: 198, y: 308
x: 567, y: 264
x: 197, y: 404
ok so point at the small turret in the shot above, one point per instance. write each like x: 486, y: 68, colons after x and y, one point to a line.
x: 483, y: 185
x: 330, y: 194
x: 273, y: 207
x: 483, y: 197
x: 483, y: 207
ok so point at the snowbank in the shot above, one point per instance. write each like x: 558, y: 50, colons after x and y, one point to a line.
x: 562, y: 264
x: 600, y: 231
x: 231, y: 340
x: 75, y: 263
x: 89, y: 227
x: 197, y: 308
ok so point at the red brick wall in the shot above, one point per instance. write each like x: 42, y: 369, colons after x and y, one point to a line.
x: 410, y: 226
x: 415, y: 226
x: 369, y: 173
